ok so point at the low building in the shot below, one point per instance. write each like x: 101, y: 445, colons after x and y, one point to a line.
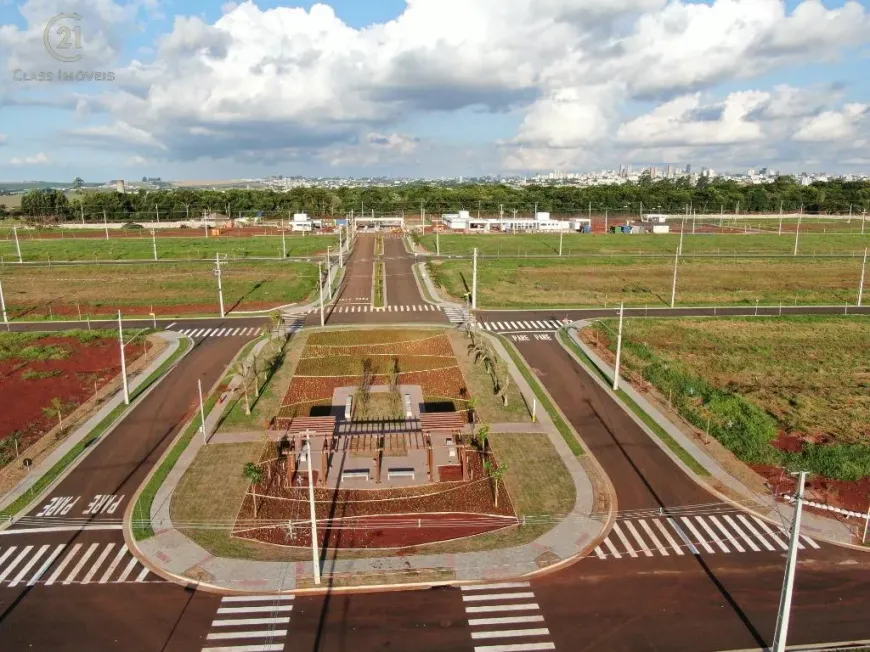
x: 301, y: 223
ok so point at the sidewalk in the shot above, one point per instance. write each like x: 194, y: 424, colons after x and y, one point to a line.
x: 812, y: 524
x: 171, y: 554
x: 133, y: 381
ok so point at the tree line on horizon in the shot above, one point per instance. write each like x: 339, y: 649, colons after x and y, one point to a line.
x: 706, y: 197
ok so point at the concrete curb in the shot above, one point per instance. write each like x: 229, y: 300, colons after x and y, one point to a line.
x: 83, y: 431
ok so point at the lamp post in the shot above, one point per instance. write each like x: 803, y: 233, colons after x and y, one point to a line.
x: 106, y: 224
x: 3, y: 305
x: 315, y: 555
x: 123, y: 361
x: 217, y: 273
x: 618, y: 348
x: 320, y: 285
x: 201, y: 412
x: 17, y: 244
x: 340, y: 248
x: 782, y: 619
x: 154, y: 243
x: 674, y: 287
x: 474, y: 283
x: 860, y: 286
x: 329, y: 272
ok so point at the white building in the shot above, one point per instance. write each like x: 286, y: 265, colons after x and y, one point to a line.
x: 654, y: 218
x: 301, y: 222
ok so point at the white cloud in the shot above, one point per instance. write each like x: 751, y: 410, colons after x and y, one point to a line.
x: 374, y: 149
x: 833, y: 125
x: 36, y: 159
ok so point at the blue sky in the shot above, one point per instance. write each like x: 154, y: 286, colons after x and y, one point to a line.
x: 576, y: 89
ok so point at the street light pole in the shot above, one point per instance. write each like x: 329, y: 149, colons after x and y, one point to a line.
x: 217, y: 272
x: 674, y: 287
x: 283, y: 239
x: 17, y: 244
x: 861, y: 286
x: 797, y: 233
x: 201, y: 412
x: 123, y: 361
x: 320, y: 285
x: 560, y: 244
x: 315, y: 554
x: 106, y: 224
x: 3, y: 304
x: 154, y: 243
x: 682, y: 230
x: 618, y: 348
x: 782, y: 618
x: 329, y: 272
x: 474, y: 283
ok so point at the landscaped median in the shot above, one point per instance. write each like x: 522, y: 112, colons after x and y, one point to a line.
x: 98, y: 431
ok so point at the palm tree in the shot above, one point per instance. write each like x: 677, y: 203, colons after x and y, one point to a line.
x: 254, y: 473
x: 496, y: 473
x: 504, y: 384
x: 56, y: 408
x: 277, y: 320
x: 243, y: 371
x: 482, y: 436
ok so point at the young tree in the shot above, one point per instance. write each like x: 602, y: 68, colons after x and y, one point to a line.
x: 56, y: 409
x: 254, y: 473
x: 244, y: 372
x: 504, y: 383
x: 496, y: 473
x: 482, y: 436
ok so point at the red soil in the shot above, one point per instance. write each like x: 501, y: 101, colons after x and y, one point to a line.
x: 853, y: 496
x: 24, y: 399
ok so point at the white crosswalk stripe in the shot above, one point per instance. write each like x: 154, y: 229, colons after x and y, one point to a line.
x: 521, y: 325
x: 523, y: 631
x: 720, y: 533
x: 454, y: 315
x: 293, y: 323
x: 251, y: 622
x: 80, y: 563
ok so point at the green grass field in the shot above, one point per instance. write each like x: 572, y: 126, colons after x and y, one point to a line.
x: 172, y: 288
x: 521, y: 245
x: 807, y: 377
x: 168, y: 248
x: 594, y: 282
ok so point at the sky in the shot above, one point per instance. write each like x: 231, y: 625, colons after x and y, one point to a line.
x: 201, y: 90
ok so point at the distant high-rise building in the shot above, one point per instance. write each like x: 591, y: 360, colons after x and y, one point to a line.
x: 689, y: 169
x: 670, y: 172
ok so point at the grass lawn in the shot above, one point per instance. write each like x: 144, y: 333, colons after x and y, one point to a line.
x: 757, y: 380
x: 520, y: 245
x: 596, y: 281
x: 172, y: 288
x: 489, y: 407
x: 141, y: 248
x: 267, y: 404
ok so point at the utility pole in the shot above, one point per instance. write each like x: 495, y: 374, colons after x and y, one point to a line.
x: 123, y: 361
x: 474, y: 283
x: 860, y: 286
x: 329, y: 271
x: 340, y: 248
x: 315, y: 555
x: 17, y: 244
x: 320, y: 285
x: 560, y: 243
x: 82, y: 212
x: 157, y: 210
x: 201, y: 412
x: 437, y: 243
x: 618, y: 348
x: 782, y: 618
x: 797, y: 233
x: 283, y: 240
x: 154, y: 243
x: 217, y: 273
x: 694, y: 218
x: 780, y: 218
x: 106, y: 224
x: 682, y: 230
x: 3, y: 305
x: 674, y: 288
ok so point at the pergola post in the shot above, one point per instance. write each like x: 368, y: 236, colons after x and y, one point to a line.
x: 430, y: 458
x: 324, y: 462
x: 380, y: 458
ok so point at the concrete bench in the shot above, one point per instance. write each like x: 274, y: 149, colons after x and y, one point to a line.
x: 409, y: 414
x: 401, y: 473
x: 348, y: 407
x: 355, y: 474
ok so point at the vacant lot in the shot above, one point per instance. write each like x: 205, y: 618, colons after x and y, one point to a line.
x: 137, y: 245
x: 42, y: 374
x: 639, y: 282
x: 176, y: 288
x: 521, y: 245
x: 793, y: 391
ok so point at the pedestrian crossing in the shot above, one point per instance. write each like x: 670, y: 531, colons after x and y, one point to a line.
x: 719, y: 533
x: 525, y: 325
x: 294, y: 324
x: 456, y: 315
x: 63, y: 564
x: 412, y: 308
x: 245, y: 623
x: 197, y: 333
x: 505, y: 618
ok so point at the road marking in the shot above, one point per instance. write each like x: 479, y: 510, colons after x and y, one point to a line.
x: 30, y: 564
x: 171, y: 325
x: 725, y: 533
x: 714, y: 538
x: 755, y: 532
x: 599, y: 553
x: 8, y: 552
x: 510, y: 633
x: 515, y: 647
x: 258, y: 598
x: 686, y: 538
x: 114, y: 564
x: 812, y: 543
x: 643, y: 547
x: 238, y: 622
x: 667, y: 535
x: 497, y: 596
x: 46, y: 564
x: 63, y: 564
x: 773, y: 535
x: 527, y: 606
x: 255, y: 610
x: 739, y: 531
x: 654, y: 538
x: 265, y: 647
x: 15, y: 562
x: 93, y: 571
x: 78, y: 567
x: 625, y: 543
x: 143, y: 574
x: 262, y: 633
x: 128, y: 570
x: 612, y: 548
x: 495, y: 587
x: 505, y: 620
